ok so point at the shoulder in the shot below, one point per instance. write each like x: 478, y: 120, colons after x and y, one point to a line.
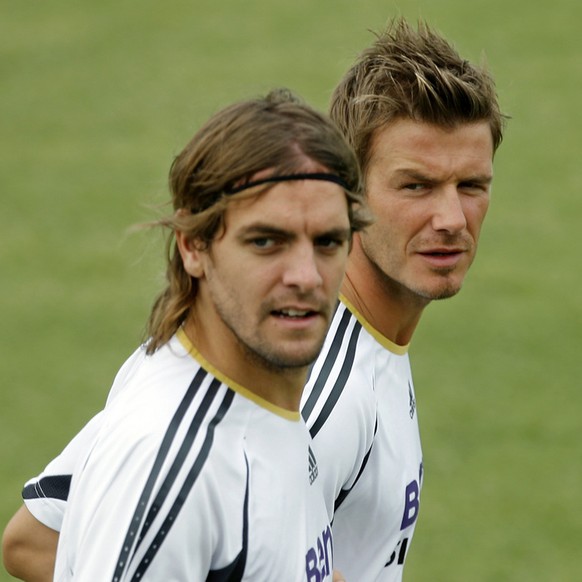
x: 339, y: 402
x: 340, y: 383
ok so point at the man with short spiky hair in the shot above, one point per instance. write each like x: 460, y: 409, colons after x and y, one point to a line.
x: 425, y: 125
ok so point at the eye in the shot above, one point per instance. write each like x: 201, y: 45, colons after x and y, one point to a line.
x: 474, y: 187
x: 329, y: 243
x: 262, y: 243
x: 417, y: 187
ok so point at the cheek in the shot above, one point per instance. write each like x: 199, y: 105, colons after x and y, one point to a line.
x: 476, y: 214
x: 392, y: 212
x: 260, y: 282
x: 380, y: 207
x: 394, y: 226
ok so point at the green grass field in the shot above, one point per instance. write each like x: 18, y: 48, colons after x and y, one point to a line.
x: 97, y: 97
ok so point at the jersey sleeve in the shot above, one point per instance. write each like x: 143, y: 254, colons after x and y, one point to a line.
x: 99, y: 537
x: 151, y: 502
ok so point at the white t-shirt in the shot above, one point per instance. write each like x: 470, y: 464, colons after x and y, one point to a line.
x: 360, y: 405
x: 183, y: 480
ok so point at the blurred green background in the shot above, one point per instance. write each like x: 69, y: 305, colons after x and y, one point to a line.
x: 97, y: 97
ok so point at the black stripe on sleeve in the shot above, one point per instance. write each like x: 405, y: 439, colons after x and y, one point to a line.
x: 131, y: 536
x: 180, y: 458
x: 330, y: 359
x: 345, y: 492
x: 185, y: 490
x: 52, y: 487
x: 340, y: 383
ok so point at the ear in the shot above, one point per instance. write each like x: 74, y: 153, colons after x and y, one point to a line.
x: 192, y: 256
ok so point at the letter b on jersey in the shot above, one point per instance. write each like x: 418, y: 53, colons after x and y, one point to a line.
x: 411, y: 504
x: 318, y: 562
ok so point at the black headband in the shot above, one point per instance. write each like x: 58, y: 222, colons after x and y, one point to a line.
x: 325, y: 177
x: 322, y: 176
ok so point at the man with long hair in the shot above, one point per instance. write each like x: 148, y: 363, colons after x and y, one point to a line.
x: 200, y: 466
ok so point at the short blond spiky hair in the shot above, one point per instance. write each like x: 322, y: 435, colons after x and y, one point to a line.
x: 412, y: 74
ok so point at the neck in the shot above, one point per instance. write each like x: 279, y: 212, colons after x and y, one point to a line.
x: 388, y: 306
x: 280, y: 387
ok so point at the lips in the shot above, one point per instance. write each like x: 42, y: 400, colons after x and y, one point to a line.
x: 443, y: 251
x: 294, y: 313
x: 442, y: 257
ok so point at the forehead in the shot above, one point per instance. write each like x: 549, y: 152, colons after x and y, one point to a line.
x: 411, y: 143
x: 291, y: 205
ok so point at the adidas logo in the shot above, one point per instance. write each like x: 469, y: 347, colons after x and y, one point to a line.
x: 313, y: 470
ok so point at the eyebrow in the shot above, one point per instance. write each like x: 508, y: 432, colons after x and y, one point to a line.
x: 269, y: 230
x: 420, y: 177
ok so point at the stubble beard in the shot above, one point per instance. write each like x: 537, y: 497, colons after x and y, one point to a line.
x: 416, y: 293
x: 265, y: 357
x: 445, y: 291
x: 259, y: 352
x: 406, y: 287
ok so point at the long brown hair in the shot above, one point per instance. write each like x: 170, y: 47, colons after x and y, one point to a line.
x: 278, y: 132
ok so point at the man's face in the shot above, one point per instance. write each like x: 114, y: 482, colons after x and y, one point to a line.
x: 273, y: 276
x: 428, y: 189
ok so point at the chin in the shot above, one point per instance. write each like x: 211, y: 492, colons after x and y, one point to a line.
x: 444, y: 295
x: 285, y: 360
x: 300, y: 360
x: 444, y: 292
x: 437, y: 292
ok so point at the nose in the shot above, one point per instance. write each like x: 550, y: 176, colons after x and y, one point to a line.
x: 449, y: 214
x: 301, y: 269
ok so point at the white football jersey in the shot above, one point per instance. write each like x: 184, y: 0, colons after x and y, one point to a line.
x: 190, y: 476
x: 360, y: 406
